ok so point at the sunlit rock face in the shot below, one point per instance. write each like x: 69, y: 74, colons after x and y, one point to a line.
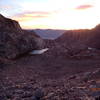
x: 14, y: 41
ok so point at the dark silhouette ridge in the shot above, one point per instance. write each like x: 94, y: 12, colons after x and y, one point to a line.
x: 87, y: 37
x: 9, y: 24
x: 14, y: 41
x: 75, y: 42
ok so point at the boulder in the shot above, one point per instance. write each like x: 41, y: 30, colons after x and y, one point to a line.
x: 14, y: 41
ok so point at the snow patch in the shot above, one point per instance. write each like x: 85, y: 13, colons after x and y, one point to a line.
x: 38, y: 51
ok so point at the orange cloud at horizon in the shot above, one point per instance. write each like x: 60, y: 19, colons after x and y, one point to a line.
x: 25, y: 16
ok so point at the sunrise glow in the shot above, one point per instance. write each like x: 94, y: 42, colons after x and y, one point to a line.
x: 53, y: 14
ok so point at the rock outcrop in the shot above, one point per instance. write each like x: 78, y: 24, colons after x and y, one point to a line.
x: 14, y: 41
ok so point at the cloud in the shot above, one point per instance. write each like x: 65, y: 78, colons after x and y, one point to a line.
x: 83, y: 7
x: 5, y: 7
x: 27, y: 16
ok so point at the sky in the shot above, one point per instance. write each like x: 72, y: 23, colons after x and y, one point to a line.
x: 53, y: 14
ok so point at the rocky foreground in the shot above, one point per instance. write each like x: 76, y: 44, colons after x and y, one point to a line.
x: 41, y: 77
x: 69, y: 70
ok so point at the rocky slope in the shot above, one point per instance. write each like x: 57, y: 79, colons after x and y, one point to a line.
x: 76, y: 42
x: 14, y: 41
x: 94, y: 40
x: 69, y: 70
x: 89, y: 38
x: 43, y: 77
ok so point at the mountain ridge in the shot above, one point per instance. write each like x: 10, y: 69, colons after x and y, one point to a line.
x: 14, y: 41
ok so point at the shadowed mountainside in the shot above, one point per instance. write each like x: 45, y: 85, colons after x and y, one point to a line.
x: 76, y: 42
x: 14, y: 41
x: 87, y: 37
